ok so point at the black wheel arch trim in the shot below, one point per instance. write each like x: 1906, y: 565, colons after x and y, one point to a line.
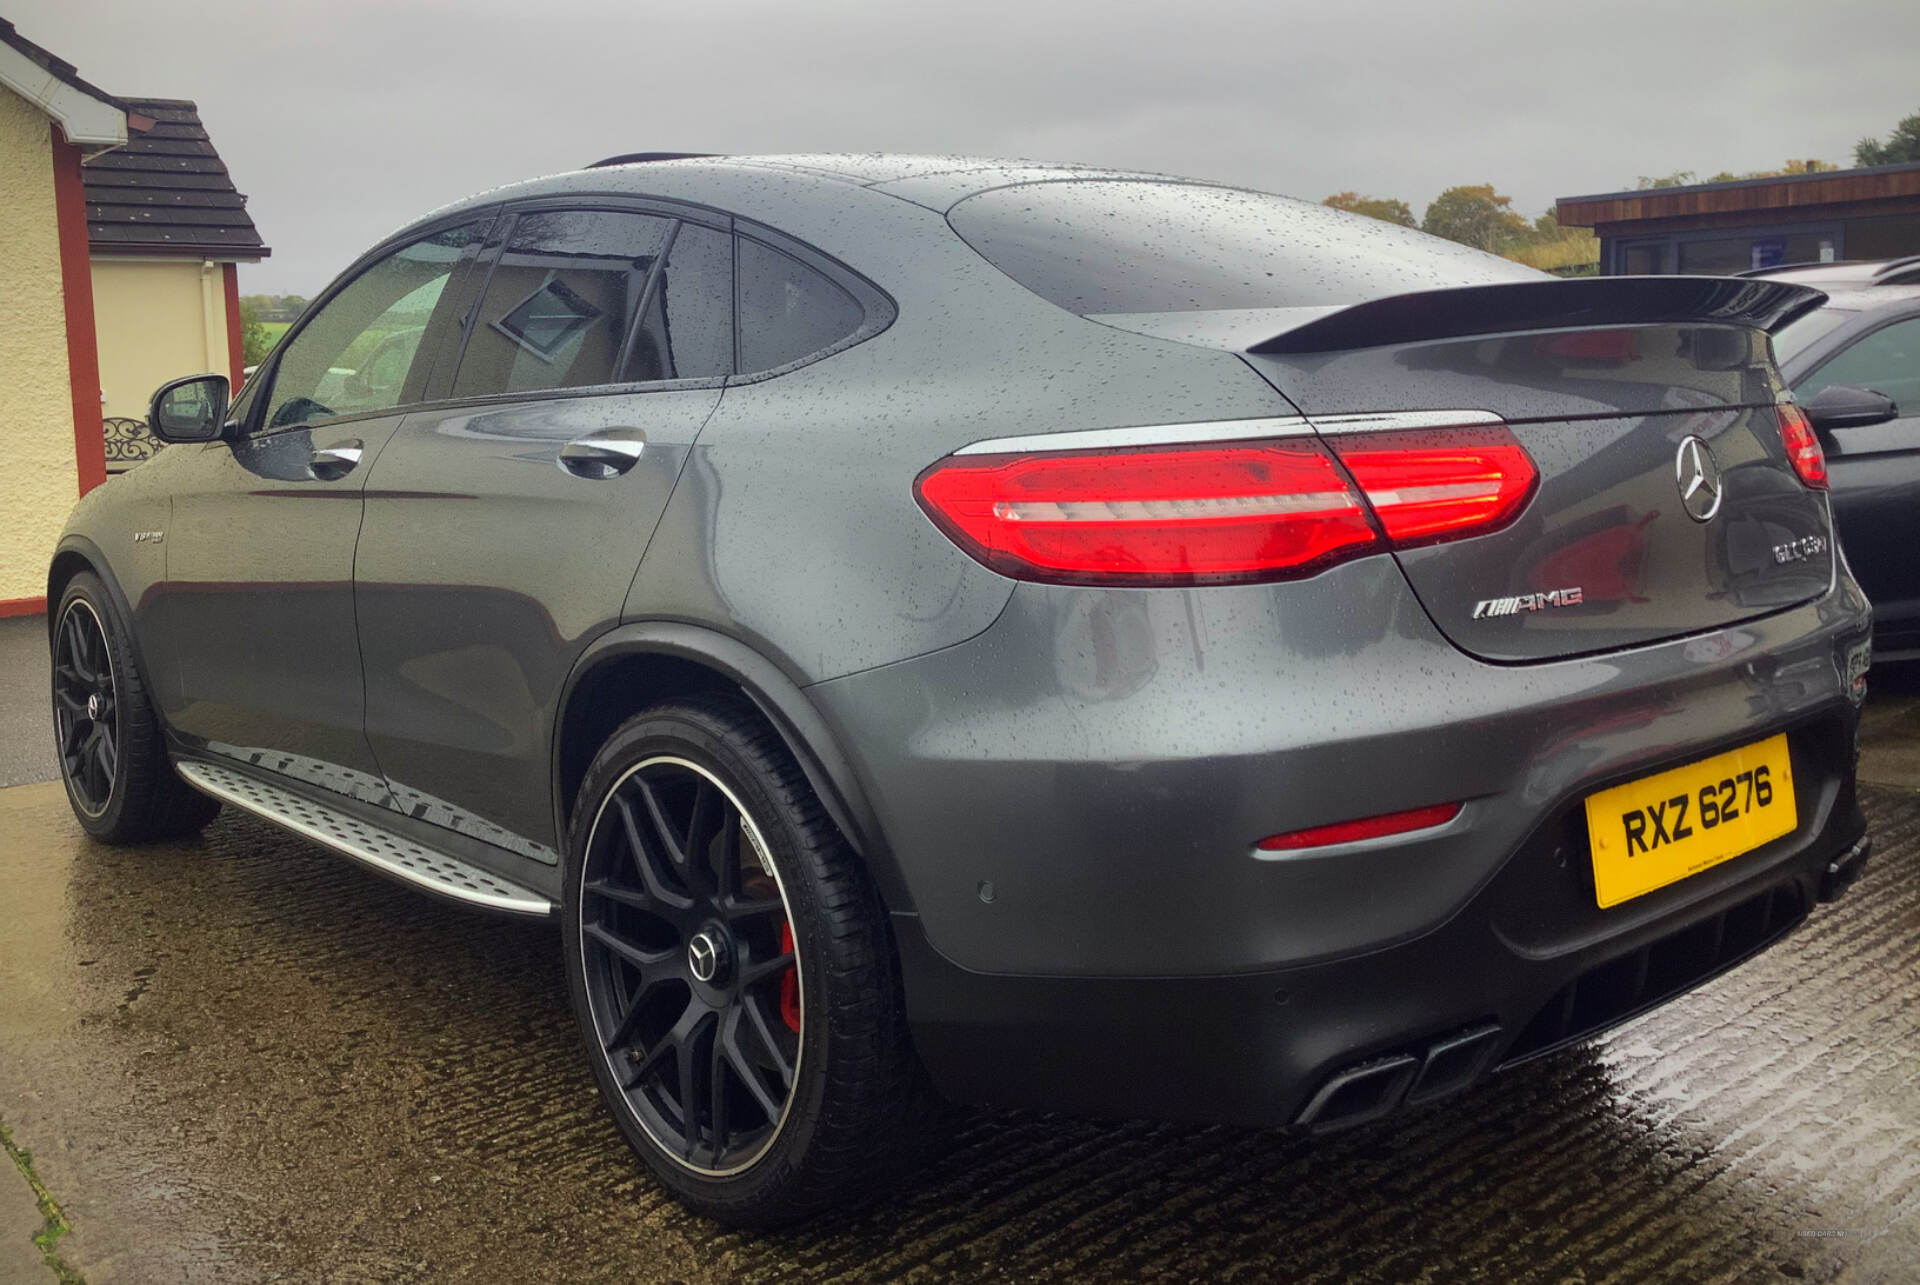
x: 95, y: 561
x: 807, y: 735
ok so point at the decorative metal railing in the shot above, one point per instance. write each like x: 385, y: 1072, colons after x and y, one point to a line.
x: 128, y: 442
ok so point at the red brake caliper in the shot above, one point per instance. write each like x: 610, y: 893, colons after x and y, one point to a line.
x: 789, y: 984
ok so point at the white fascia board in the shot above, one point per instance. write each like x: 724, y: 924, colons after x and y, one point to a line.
x: 88, y: 122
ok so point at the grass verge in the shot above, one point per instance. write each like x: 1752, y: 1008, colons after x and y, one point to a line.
x: 53, y: 1223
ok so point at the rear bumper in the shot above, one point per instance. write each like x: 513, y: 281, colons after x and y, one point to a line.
x: 1071, y: 801
x: 1338, y: 1043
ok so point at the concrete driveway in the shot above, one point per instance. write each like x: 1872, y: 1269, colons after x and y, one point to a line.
x: 241, y: 1059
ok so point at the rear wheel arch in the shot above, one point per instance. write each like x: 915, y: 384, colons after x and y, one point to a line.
x: 636, y: 665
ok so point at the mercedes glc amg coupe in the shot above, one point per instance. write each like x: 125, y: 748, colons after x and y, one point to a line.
x: 932, y: 628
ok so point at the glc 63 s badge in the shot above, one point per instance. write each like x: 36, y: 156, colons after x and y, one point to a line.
x: 1807, y: 546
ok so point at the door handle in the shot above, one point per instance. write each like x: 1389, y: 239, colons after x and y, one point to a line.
x: 602, y: 457
x: 329, y: 463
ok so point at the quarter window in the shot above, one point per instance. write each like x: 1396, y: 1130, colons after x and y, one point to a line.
x: 787, y: 310
x: 358, y: 353
x: 687, y: 332
x: 561, y: 302
x: 1887, y: 361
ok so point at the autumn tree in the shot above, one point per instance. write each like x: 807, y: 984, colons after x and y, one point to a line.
x: 1384, y: 208
x: 1475, y: 215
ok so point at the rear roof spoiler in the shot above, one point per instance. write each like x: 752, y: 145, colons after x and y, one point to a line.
x: 1549, y: 305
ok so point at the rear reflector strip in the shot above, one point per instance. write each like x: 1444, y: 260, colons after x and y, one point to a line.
x: 1379, y: 827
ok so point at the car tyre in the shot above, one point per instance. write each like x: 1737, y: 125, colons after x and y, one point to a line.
x: 108, y: 736
x: 858, y: 1109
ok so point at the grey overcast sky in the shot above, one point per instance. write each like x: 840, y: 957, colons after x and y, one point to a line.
x: 343, y: 119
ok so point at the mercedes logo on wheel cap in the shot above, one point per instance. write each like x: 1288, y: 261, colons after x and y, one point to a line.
x: 704, y: 954
x: 1698, y: 475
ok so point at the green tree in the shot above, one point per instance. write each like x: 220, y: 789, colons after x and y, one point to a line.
x: 1552, y: 248
x: 1679, y: 178
x: 1475, y: 215
x: 1901, y: 145
x: 1384, y: 208
x: 1685, y: 178
x: 254, y: 343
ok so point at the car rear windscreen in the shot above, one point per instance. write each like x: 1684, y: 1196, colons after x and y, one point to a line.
x: 1098, y: 246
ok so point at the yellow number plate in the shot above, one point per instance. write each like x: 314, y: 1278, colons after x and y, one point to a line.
x: 1658, y: 830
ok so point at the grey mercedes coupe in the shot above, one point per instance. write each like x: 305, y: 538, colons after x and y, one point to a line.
x: 946, y: 629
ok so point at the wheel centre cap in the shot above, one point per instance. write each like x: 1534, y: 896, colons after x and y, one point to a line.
x: 93, y: 706
x: 707, y: 956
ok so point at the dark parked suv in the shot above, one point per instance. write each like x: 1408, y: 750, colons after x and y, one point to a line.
x: 1855, y: 367
x: 937, y: 627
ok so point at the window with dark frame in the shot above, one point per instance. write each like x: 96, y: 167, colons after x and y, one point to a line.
x: 562, y: 301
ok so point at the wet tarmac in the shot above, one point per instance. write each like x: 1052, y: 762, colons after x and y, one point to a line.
x: 26, y: 717
x: 241, y: 1059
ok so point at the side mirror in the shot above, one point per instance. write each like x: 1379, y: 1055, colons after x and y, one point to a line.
x: 193, y: 409
x: 1844, y: 406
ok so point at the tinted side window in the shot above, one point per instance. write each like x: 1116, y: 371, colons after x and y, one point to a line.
x: 787, y: 310
x: 1887, y: 361
x: 687, y: 332
x: 357, y: 353
x: 561, y: 301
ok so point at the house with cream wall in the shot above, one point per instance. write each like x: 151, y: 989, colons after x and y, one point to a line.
x: 165, y: 233
x: 121, y: 231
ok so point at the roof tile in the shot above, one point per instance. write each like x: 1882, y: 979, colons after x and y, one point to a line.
x: 167, y: 191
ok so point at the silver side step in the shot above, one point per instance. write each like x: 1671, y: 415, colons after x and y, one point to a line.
x: 388, y: 853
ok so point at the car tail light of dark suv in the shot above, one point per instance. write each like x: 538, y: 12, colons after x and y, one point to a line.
x: 1803, y: 448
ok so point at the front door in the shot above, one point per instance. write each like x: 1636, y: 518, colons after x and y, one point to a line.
x: 504, y: 527
x: 259, y: 590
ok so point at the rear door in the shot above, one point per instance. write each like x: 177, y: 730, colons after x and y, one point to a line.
x: 1876, y: 475
x: 259, y: 596
x: 505, y: 523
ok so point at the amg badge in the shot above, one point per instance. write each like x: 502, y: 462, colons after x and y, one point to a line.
x: 1487, y: 607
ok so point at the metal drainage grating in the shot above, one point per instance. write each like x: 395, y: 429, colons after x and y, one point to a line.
x: 381, y: 849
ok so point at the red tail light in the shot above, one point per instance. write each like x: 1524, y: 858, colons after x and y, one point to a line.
x: 1803, y: 448
x: 1379, y: 827
x: 1167, y: 515
x: 1429, y: 485
x: 1224, y: 512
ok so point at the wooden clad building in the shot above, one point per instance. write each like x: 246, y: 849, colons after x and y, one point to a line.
x: 1754, y: 223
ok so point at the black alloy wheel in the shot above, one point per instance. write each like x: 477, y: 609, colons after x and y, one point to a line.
x: 85, y: 709
x: 692, y: 976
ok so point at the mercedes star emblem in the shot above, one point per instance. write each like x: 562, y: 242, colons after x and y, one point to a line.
x: 1698, y: 475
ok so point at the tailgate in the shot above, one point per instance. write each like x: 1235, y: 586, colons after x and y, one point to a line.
x: 1666, y: 504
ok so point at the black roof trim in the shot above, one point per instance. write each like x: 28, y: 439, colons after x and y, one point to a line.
x: 1896, y: 271
x: 636, y: 158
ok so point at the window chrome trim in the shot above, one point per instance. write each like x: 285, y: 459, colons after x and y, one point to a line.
x: 1389, y: 421
x: 1096, y: 439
